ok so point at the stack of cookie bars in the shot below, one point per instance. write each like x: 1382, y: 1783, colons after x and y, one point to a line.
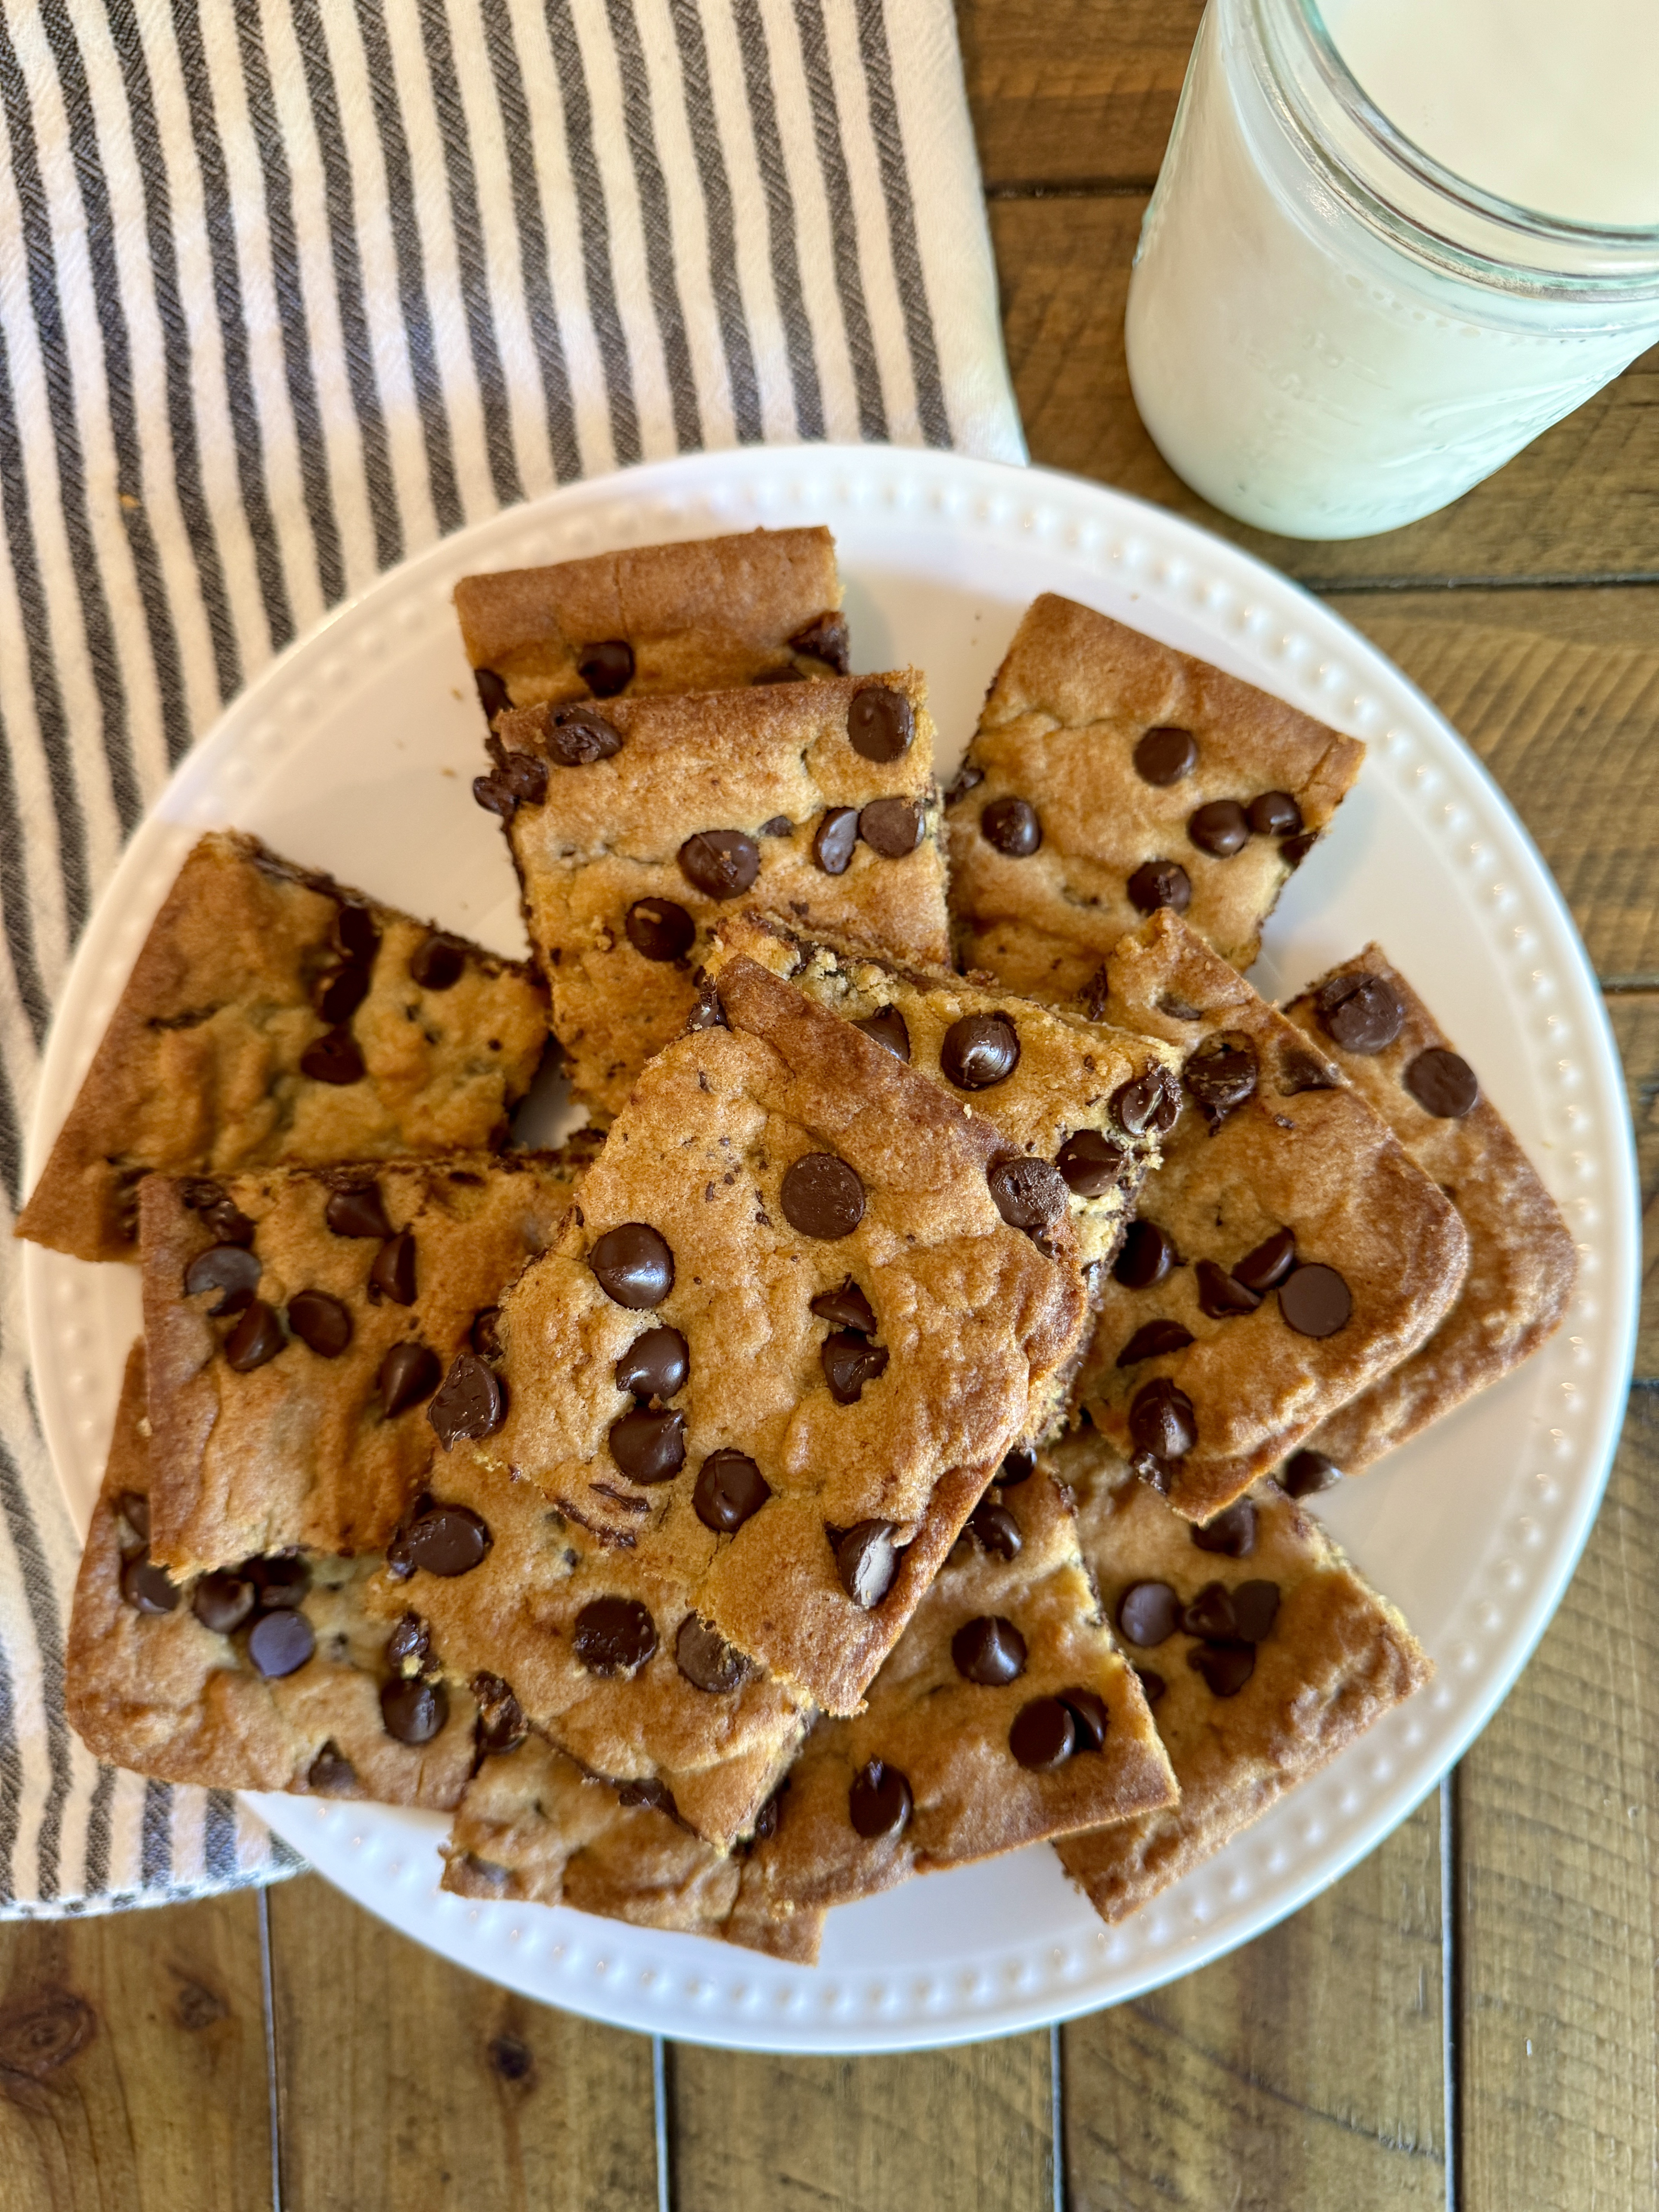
x: 879, y: 1439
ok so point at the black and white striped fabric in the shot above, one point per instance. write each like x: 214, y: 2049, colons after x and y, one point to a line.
x: 287, y: 291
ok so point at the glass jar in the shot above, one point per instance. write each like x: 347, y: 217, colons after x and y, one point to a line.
x: 1329, y: 334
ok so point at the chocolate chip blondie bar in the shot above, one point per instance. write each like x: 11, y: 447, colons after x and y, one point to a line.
x: 633, y: 829
x: 763, y: 607
x: 274, y: 1015
x: 1112, y: 777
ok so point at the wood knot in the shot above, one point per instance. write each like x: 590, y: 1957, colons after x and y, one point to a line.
x: 196, y: 2006
x: 511, y: 2057
x: 45, y: 2033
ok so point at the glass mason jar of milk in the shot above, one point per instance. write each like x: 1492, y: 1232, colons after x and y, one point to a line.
x: 1330, y: 331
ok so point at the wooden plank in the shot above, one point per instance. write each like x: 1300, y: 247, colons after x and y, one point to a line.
x: 404, y: 2082
x: 1636, y: 1025
x: 1067, y: 92
x: 1577, y: 503
x: 936, y: 2132
x: 132, y: 2062
x: 1304, y: 2070
x: 1557, y: 1915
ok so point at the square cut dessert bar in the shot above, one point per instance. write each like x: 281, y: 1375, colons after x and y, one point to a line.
x: 299, y: 1319
x: 1287, y: 1253
x: 1522, y: 1261
x: 1084, y: 1108
x: 633, y: 829
x: 662, y: 1379
x: 1263, y: 1651
x: 761, y: 607
x: 273, y: 1015
x: 270, y: 1675
x: 1111, y: 777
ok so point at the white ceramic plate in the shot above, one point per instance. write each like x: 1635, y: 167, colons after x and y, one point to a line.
x: 355, y: 752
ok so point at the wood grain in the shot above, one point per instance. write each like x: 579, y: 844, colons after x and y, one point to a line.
x: 405, y: 2085
x: 132, y: 2062
x: 937, y: 2132
x: 1635, y: 1018
x: 1302, y: 2070
x: 1558, y: 1921
x: 1579, y: 502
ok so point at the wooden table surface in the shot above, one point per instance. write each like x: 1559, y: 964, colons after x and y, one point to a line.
x: 1469, y: 2019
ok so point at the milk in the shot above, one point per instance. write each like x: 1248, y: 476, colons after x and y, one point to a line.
x: 1296, y: 362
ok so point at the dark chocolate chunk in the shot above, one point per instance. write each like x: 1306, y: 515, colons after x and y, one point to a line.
x: 1090, y: 1717
x: 891, y: 827
x: 1148, y: 1254
x: 846, y: 1308
x: 1362, y: 1013
x: 357, y: 931
x: 393, y: 1272
x: 707, y: 1661
x: 1012, y: 826
x: 887, y: 1027
x: 1256, y: 1608
x: 321, y: 1322
x: 1158, y: 883
x: 1220, y: 1296
x: 1165, y: 754
x: 1315, y: 1301
x: 1220, y: 1076
x: 614, y: 1635
x: 1149, y: 1102
x: 656, y: 1366
x: 410, y: 1374
x: 1305, y: 1474
x: 1161, y: 1420
x: 1220, y: 828
x: 979, y: 1051
x: 634, y: 1265
x: 1295, y: 850
x: 1090, y: 1162
x: 607, y: 667
x: 721, y: 864
x: 1153, y: 1340
x: 822, y: 1196
x: 834, y: 838
x: 413, y: 1711
x: 824, y: 638
x: 647, y: 1791
x: 485, y: 1335
x: 1300, y: 1070
x: 658, y: 929
x: 279, y: 1643
x: 850, y: 1362
x: 493, y: 694
x: 880, y: 723
x: 996, y: 1529
x: 1044, y: 1736
x: 226, y: 1223
x: 779, y: 826
x: 280, y: 1578
x: 257, y: 1337
x: 990, y: 1651
x: 333, y: 1058
x: 879, y: 1802
x: 472, y: 1401
x: 866, y: 1560
x: 967, y: 778
x: 230, y: 1269
x: 358, y: 1212
x: 341, y: 992
x: 438, y: 962
x: 1147, y: 1614
x: 649, y: 1447
x: 1211, y: 1613
x: 1231, y: 1532
x: 1028, y: 1193
x: 332, y: 1774
x: 444, y: 1539
x: 1152, y: 1684
x: 1274, y: 814
x: 1225, y: 1666
x: 1442, y: 1083
x: 146, y: 1587
x: 500, y: 1725
x: 1017, y: 1466
x: 730, y: 1488
x: 1267, y: 1266
x: 408, y: 1647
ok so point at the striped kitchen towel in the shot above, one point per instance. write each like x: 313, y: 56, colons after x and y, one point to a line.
x: 286, y: 293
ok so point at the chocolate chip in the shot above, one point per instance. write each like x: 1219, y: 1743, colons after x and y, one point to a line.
x: 979, y: 1051
x: 438, y: 963
x: 720, y: 863
x: 779, y: 826
x: 356, y: 932
x: 413, y: 1711
x: 393, y: 1272
x: 1161, y: 1420
x: 1305, y: 1474
x: 730, y: 1488
x: 334, y: 1058
x: 891, y: 827
x: 1267, y: 1266
x: 607, y: 667
x: 1220, y: 1076
x: 634, y: 1265
x: 614, y: 1635
x: 1211, y: 1613
x: 967, y: 778
x: 1256, y: 1608
x: 1295, y: 850
x: 1274, y: 814
x: 332, y: 1774
x: 1148, y: 1254
x: 408, y: 1647
x: 493, y: 694
x: 485, y: 1333
x: 879, y: 1802
x: 1442, y: 1083
x: 1225, y: 1666
x: 410, y: 1374
x: 1300, y: 1071
x: 1090, y: 1717
x: 340, y: 994
x: 1044, y: 1736
x: 1220, y: 1296
x: 1362, y: 1013
x: 866, y: 1560
x: 320, y: 1322
x: 1147, y: 1614
x: 1012, y: 826
x: 280, y: 1644
x: 1029, y: 1194
x: 135, y: 1511
x: 146, y: 1587
x: 471, y: 1402
x: 1165, y: 754
x: 824, y: 638
x: 658, y: 929
x: 648, y: 1792
x: 231, y: 1269
x: 880, y: 723
x: 846, y: 1308
x: 707, y: 1661
x: 788, y: 673
x: 1017, y: 1466
x: 822, y: 1196
x: 649, y: 1447
x: 1090, y: 1162
x: 834, y: 838
x: 279, y: 1577
x: 996, y: 1529
x: 1149, y: 1102
x: 656, y: 1366
x: 1231, y: 1532
x: 500, y: 1725
x: 1315, y: 1301
x: 257, y: 1337
x: 358, y: 1212
x: 850, y: 1362
x: 1153, y: 1340
x: 990, y: 1651
x: 225, y: 1222
x: 445, y: 1539
x: 1152, y: 1684
x: 1158, y: 883
x: 766, y: 1821
x: 887, y: 1027
x: 1220, y: 828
